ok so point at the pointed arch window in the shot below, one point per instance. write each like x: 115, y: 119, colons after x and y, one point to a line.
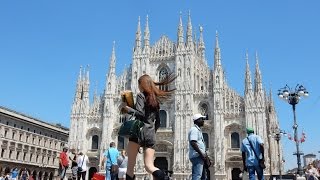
x: 95, y: 142
x: 163, y: 73
x: 163, y: 119
x: 235, y: 140
x: 204, y: 110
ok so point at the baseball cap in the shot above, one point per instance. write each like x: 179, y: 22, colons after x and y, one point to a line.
x: 197, y: 116
x: 250, y: 130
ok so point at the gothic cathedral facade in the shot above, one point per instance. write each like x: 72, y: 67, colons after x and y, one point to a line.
x: 199, y: 89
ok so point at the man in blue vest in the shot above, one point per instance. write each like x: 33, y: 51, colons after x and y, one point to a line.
x: 252, y: 150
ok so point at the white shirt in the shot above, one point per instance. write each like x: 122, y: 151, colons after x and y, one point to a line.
x: 85, y: 160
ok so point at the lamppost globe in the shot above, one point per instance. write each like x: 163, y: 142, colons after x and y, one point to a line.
x: 293, y: 96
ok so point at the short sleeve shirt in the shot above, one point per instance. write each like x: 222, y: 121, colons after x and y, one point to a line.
x: 245, y: 147
x: 112, y: 156
x: 64, y: 158
x: 195, y: 134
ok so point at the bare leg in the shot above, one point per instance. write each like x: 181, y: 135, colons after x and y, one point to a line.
x: 132, y: 151
x: 149, y: 159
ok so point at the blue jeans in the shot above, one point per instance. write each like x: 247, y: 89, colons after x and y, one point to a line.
x: 253, y: 169
x: 197, y: 169
x: 109, y: 175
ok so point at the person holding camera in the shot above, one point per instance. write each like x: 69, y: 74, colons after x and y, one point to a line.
x: 197, y: 149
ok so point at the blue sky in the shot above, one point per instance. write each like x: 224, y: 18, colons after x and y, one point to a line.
x: 44, y: 43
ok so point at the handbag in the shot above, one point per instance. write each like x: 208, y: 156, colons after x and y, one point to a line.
x: 114, y: 167
x: 131, y: 128
x: 207, y: 162
x: 261, y: 161
x: 80, y: 168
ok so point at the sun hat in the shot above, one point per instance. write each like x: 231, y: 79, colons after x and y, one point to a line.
x: 197, y: 116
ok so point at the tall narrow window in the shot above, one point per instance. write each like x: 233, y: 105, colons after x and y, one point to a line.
x: 120, y: 142
x: 206, y: 139
x: 2, y: 152
x: 17, y: 156
x: 95, y: 142
x: 163, y: 118
x: 235, y: 140
x: 163, y: 73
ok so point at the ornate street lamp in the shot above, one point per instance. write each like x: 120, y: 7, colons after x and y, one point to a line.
x: 277, y: 136
x: 292, y: 96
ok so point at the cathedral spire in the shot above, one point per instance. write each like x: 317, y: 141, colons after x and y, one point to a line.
x: 86, y: 83
x: 147, y: 34
x: 189, y: 30
x: 79, y: 85
x: 112, y: 67
x: 258, y: 79
x: 217, y: 54
x: 201, y: 43
x: 138, y: 36
x: 248, y: 82
x: 180, y: 31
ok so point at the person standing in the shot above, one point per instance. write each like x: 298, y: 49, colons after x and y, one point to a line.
x: 123, y: 163
x: 74, y: 166
x: 82, y: 162
x: 197, y: 148
x: 147, y: 110
x: 63, y: 163
x: 110, y: 156
x: 14, y: 174
x: 252, y: 150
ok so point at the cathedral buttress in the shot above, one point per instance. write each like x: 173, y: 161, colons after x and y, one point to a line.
x: 110, y: 113
x: 249, y: 97
x: 79, y: 112
x: 218, y: 107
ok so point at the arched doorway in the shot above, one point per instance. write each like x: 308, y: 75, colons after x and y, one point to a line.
x: 46, y: 176
x: 34, y: 175
x: 235, y: 173
x: 51, y: 176
x: 92, y: 170
x: 40, y: 175
x: 162, y: 164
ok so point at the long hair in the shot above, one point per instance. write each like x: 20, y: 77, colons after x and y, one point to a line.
x: 153, y: 93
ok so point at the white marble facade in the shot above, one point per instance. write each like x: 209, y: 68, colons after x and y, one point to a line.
x: 27, y: 142
x: 199, y: 88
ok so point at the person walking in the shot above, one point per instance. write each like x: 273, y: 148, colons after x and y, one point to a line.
x: 24, y: 174
x: 252, y: 150
x: 197, y: 148
x: 147, y: 110
x: 110, y: 157
x: 14, y: 174
x: 82, y: 162
x: 63, y: 162
x: 123, y: 163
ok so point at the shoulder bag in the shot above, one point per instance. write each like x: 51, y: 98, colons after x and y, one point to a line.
x: 80, y: 167
x: 261, y: 161
x: 114, y: 167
